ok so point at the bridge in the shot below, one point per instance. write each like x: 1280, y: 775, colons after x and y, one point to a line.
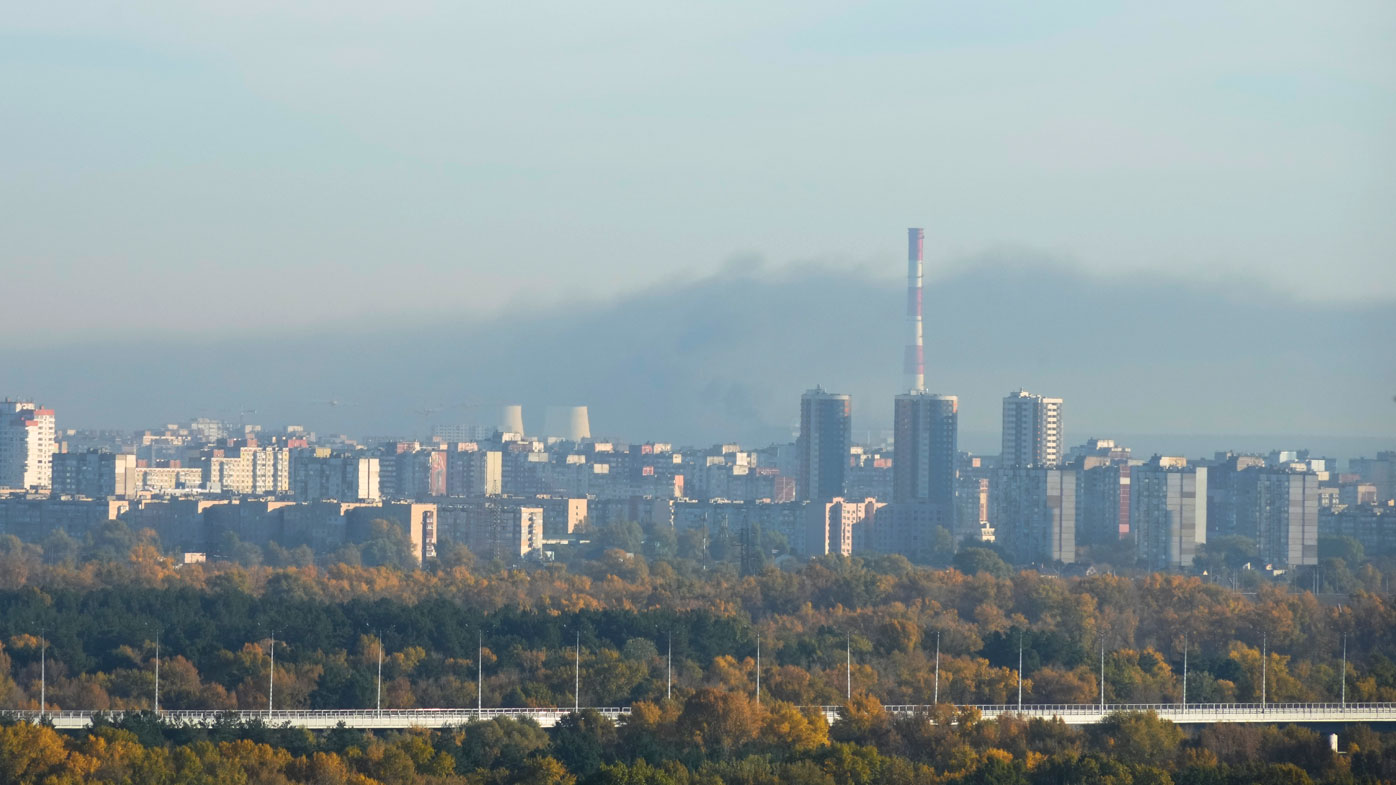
x: 1189, y: 714
x: 1071, y: 714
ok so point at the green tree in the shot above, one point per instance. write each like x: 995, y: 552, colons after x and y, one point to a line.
x: 972, y: 561
x: 583, y: 741
x: 1138, y: 738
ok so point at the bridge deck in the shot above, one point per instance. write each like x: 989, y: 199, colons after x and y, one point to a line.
x: 1072, y: 714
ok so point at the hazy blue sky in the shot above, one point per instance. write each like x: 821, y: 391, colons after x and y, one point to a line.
x: 217, y: 165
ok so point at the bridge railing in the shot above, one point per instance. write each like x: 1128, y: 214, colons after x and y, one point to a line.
x: 440, y: 717
x: 280, y: 716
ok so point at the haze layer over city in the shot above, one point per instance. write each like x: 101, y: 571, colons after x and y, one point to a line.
x: 631, y: 393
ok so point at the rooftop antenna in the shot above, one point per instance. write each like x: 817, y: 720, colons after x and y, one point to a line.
x: 915, y: 349
x: 936, y: 698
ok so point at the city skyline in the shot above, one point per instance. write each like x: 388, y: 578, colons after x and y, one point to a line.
x: 796, y: 392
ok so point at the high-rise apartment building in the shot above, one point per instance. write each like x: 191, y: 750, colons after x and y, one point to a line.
x: 826, y: 423
x: 319, y: 475
x: 1034, y: 513
x: 1380, y: 472
x: 94, y: 474
x: 1278, y: 509
x: 924, y: 455
x: 925, y: 448
x: 1102, y: 501
x: 26, y: 445
x: 833, y: 526
x: 1168, y: 511
x: 247, y: 470
x: 1032, y: 430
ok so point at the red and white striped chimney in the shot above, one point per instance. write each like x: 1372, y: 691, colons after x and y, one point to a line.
x: 915, y: 348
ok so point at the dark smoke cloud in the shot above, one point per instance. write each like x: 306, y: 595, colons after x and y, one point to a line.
x: 726, y: 358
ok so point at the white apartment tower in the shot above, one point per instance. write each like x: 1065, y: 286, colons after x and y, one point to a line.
x: 26, y: 445
x: 1032, y: 430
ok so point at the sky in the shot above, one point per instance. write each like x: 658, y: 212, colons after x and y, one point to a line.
x: 226, y: 168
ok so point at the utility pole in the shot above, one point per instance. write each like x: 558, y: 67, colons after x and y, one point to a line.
x: 479, y: 672
x: 936, y: 696
x: 380, y: 674
x: 577, y: 676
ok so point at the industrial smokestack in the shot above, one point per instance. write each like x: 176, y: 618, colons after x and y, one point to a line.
x: 915, y: 348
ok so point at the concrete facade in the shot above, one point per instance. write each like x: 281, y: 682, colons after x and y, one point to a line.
x: 1032, y: 430
x: 27, y: 434
x: 1168, y: 512
x: 1033, y: 511
x: 826, y: 421
x: 94, y: 474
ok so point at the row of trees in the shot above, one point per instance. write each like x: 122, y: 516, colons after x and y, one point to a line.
x: 215, y: 628
x: 712, y: 736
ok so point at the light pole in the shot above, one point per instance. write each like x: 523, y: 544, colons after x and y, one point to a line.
x: 669, y: 685
x: 1020, y: 673
x: 43, y: 672
x: 577, y: 676
x: 157, y: 673
x: 380, y: 674
x: 1264, y: 665
x: 935, y: 699
x: 1185, y: 670
x: 479, y: 672
x: 758, y: 671
x: 271, y: 678
x: 848, y: 664
x: 1102, y: 674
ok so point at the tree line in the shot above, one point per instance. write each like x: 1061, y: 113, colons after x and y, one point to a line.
x: 712, y: 737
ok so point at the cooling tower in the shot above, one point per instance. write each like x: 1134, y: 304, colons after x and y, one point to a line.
x: 568, y: 422
x: 511, y: 419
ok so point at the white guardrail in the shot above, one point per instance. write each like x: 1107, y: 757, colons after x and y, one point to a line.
x: 324, y: 719
x: 1071, y: 714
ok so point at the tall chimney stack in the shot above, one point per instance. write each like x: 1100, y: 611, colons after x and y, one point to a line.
x: 915, y: 349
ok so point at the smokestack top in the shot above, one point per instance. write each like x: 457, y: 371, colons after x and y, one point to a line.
x: 915, y: 368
